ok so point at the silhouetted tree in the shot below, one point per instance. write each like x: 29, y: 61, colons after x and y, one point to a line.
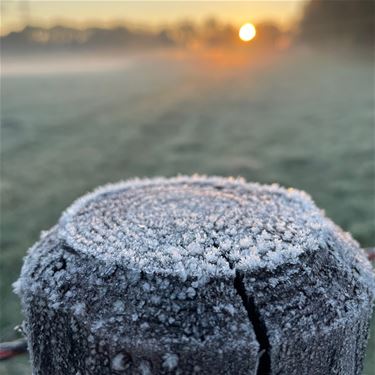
x: 346, y: 21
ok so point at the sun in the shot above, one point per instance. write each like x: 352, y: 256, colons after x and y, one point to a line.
x: 247, y: 32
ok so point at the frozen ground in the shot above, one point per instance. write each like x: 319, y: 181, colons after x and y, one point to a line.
x: 300, y: 119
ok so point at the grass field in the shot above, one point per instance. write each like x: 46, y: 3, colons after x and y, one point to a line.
x: 301, y: 119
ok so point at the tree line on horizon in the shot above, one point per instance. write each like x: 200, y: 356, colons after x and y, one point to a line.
x: 347, y: 22
x: 211, y: 33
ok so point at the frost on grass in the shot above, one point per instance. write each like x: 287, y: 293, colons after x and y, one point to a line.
x: 164, y: 274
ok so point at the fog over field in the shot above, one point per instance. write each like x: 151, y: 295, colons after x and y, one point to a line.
x: 296, y: 117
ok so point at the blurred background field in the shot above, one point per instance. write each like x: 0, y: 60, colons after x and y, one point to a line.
x: 291, y: 107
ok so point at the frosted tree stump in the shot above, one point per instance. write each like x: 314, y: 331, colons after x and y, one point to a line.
x: 196, y: 275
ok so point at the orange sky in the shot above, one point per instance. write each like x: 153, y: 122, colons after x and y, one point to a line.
x: 15, y: 14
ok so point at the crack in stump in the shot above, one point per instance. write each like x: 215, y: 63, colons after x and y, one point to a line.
x: 260, y: 330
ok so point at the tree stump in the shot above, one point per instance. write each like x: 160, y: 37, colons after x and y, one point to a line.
x: 196, y: 275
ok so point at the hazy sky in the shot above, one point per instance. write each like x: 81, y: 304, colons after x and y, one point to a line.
x: 15, y: 14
